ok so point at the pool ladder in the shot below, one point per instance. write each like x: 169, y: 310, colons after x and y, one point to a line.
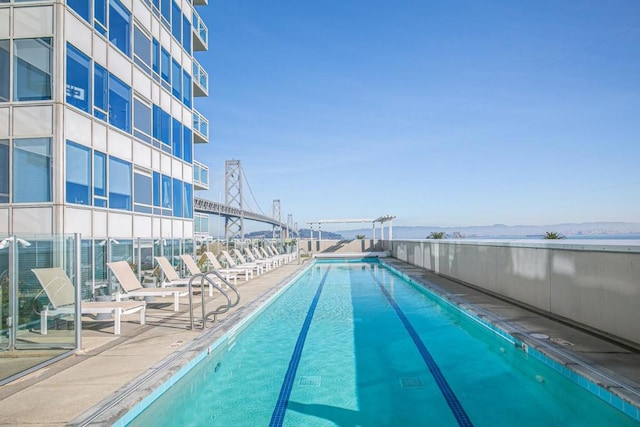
x: 204, y: 279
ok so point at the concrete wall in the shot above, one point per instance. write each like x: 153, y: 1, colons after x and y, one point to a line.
x: 592, y: 283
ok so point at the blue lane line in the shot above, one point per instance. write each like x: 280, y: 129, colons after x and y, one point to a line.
x: 280, y: 409
x: 443, y: 385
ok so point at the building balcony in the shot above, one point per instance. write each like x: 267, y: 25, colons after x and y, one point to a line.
x: 200, y: 34
x: 200, y: 128
x: 200, y: 176
x: 200, y: 80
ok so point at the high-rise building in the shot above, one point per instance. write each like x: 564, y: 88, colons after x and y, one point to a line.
x: 97, y: 118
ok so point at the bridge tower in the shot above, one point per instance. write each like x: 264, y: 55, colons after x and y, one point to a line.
x: 290, y: 231
x: 277, y: 229
x: 233, y: 226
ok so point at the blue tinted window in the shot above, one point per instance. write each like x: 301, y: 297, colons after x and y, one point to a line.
x: 186, y: 34
x: 165, y: 9
x: 142, y: 120
x: 166, y: 193
x: 99, y: 177
x: 142, y: 49
x: 32, y: 170
x: 100, y: 92
x: 176, y: 138
x: 100, y: 14
x: 78, y: 79
x: 78, y: 174
x: 177, y: 197
x: 165, y: 128
x: 156, y: 56
x: 176, y: 79
x: 32, y: 69
x: 4, y: 71
x: 81, y: 7
x: 157, y: 122
x: 4, y: 171
x: 142, y: 189
x: 165, y: 65
x: 119, y: 26
x: 119, y: 104
x: 186, y: 89
x: 187, y: 153
x: 188, y: 201
x: 176, y: 20
x: 119, y: 184
x: 156, y: 189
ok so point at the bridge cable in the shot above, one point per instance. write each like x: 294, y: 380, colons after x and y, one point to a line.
x: 244, y: 174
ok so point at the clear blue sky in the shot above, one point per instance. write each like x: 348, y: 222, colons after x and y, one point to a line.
x: 443, y: 113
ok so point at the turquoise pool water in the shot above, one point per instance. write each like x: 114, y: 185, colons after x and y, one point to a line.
x: 352, y: 344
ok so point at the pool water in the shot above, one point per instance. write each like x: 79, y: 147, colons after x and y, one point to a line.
x: 353, y: 344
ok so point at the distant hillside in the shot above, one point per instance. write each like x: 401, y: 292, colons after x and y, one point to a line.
x: 505, y: 231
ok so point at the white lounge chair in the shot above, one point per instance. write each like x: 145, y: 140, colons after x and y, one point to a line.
x: 277, y: 261
x: 132, y: 288
x: 211, y: 259
x: 61, y: 294
x: 171, y: 277
x: 233, y: 264
x: 266, y: 265
x: 193, y: 268
x: 270, y: 262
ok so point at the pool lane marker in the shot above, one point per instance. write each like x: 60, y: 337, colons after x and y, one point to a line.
x: 441, y: 381
x: 277, y: 418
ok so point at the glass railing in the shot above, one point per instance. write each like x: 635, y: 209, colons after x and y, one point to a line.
x: 200, y: 175
x: 201, y: 79
x: 200, y: 127
x: 201, y: 41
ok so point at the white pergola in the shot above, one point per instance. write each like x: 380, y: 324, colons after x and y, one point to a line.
x: 381, y: 220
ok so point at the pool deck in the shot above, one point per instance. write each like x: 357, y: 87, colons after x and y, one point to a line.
x: 112, y: 373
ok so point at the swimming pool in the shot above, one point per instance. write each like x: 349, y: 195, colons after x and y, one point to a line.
x: 352, y: 343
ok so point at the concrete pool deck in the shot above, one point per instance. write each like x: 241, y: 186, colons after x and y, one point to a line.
x: 112, y: 373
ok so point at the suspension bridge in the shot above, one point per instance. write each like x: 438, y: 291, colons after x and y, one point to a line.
x: 233, y: 211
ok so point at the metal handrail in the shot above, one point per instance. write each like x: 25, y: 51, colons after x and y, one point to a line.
x: 229, y: 303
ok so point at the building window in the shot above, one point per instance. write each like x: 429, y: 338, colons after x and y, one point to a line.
x: 119, y: 184
x: 31, y: 170
x: 166, y: 195
x: 78, y: 174
x: 4, y: 70
x: 176, y: 20
x: 165, y: 66
x: 165, y: 131
x: 187, y: 153
x: 99, y: 179
x: 188, y: 200
x: 100, y: 15
x: 78, y: 79
x: 165, y: 9
x: 119, y: 104
x: 119, y: 26
x: 142, y: 50
x: 4, y: 171
x: 155, y: 48
x: 177, y: 197
x: 100, y: 92
x: 32, y: 69
x: 141, y: 120
x: 186, y: 89
x: 186, y: 34
x: 176, y: 79
x: 142, y: 192
x: 156, y: 192
x: 81, y: 7
x: 176, y: 138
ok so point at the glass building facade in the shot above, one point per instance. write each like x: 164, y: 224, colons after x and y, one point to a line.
x: 97, y: 117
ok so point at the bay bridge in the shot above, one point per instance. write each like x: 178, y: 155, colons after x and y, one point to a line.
x: 234, y: 213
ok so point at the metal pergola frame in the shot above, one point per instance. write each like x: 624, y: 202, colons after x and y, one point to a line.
x: 381, y: 219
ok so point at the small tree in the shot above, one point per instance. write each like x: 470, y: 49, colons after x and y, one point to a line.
x: 553, y: 235
x: 360, y: 236
x: 437, y: 235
